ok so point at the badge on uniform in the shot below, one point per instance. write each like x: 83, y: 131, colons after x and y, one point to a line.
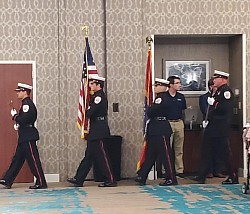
x: 227, y: 94
x: 97, y: 100
x: 158, y: 100
x: 26, y: 108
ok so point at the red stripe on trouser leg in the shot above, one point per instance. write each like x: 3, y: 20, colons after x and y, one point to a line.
x: 168, y: 158
x: 34, y: 161
x: 106, y: 161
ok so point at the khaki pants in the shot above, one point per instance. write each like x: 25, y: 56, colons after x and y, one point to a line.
x: 177, y: 140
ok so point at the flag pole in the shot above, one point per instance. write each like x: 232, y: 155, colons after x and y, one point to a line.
x: 149, y: 41
x: 85, y: 30
x: 88, y: 67
x: 150, y: 44
x: 147, y: 101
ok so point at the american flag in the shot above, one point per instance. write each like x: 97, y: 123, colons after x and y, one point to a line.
x: 147, y: 102
x: 84, y: 95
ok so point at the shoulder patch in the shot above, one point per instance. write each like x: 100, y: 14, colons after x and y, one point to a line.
x: 26, y: 108
x: 158, y: 100
x: 227, y: 94
x: 97, y: 100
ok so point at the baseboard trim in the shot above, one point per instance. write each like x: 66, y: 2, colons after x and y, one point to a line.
x: 52, y: 178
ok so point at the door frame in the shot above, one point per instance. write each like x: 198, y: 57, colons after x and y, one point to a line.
x: 33, y: 63
x: 244, y: 98
x: 33, y: 74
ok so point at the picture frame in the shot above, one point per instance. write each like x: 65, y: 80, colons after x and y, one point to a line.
x: 194, y: 75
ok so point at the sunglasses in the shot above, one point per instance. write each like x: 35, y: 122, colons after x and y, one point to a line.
x: 157, y: 84
x: 92, y: 83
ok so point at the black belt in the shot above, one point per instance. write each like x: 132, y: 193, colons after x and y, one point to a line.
x: 160, y: 118
x: 100, y: 118
x: 25, y: 126
x: 178, y: 120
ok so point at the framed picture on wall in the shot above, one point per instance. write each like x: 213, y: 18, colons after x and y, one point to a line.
x: 193, y: 74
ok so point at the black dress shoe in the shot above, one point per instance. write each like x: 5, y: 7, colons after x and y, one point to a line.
x: 74, y: 181
x: 231, y: 180
x: 210, y: 175
x: 3, y: 182
x: 139, y: 181
x: 180, y: 175
x: 168, y: 182
x: 108, y: 184
x: 219, y: 175
x: 198, y: 179
x: 36, y: 186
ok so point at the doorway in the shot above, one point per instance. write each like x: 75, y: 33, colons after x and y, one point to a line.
x: 226, y: 52
x: 11, y: 73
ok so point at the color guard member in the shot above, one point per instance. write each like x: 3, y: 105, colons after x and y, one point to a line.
x: 157, y: 135
x: 217, y: 129
x: 99, y: 129
x: 27, y: 137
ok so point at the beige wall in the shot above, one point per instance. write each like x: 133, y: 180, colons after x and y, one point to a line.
x: 49, y: 32
x: 217, y: 54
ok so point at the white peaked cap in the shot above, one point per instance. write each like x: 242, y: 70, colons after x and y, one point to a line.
x: 23, y: 86
x: 220, y: 73
x: 96, y: 77
x: 163, y: 81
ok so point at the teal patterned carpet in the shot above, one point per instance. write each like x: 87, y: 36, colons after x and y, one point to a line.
x: 191, y: 198
x: 67, y: 200
x: 203, y: 198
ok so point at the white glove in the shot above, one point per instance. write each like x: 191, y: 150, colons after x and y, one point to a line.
x: 210, y: 101
x: 247, y: 125
x: 16, y: 126
x: 13, y: 112
x: 204, y: 124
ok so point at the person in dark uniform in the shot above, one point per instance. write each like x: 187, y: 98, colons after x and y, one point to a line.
x: 27, y: 137
x: 176, y: 106
x: 217, y: 164
x: 99, y: 129
x: 157, y: 136
x: 217, y: 130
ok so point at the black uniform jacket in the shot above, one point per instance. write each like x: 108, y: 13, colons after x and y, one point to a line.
x: 220, y: 113
x: 157, y: 114
x: 26, y: 118
x: 97, y: 113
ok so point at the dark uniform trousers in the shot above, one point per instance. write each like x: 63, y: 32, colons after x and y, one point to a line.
x: 95, y: 151
x: 26, y: 151
x: 221, y: 145
x: 158, y: 145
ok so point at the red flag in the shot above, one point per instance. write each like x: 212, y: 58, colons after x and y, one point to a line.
x: 84, y: 94
x: 148, y: 89
x: 148, y: 101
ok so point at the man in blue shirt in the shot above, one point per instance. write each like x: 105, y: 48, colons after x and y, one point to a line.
x: 177, y: 104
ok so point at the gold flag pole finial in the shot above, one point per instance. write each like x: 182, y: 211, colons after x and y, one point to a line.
x: 149, y: 40
x: 85, y: 30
